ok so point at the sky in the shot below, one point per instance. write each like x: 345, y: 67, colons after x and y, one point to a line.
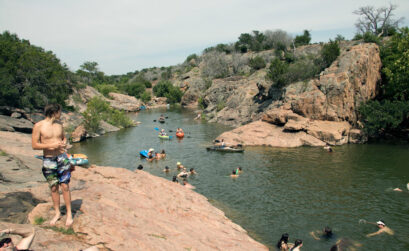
x: 128, y: 35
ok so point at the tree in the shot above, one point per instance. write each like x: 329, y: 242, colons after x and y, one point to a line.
x: 303, y: 39
x: 377, y: 21
x: 329, y: 53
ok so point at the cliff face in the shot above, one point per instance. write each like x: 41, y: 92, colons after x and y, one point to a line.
x: 116, y: 209
x: 299, y: 107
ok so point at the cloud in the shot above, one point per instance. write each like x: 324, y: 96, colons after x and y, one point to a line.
x: 127, y: 35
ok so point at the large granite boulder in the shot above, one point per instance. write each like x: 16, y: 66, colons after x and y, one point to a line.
x: 79, y: 134
x: 124, y: 102
x: 12, y: 124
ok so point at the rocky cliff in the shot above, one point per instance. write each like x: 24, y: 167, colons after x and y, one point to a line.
x: 114, y: 208
x: 324, y: 107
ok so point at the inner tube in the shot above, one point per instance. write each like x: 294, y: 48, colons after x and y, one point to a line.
x: 180, y: 134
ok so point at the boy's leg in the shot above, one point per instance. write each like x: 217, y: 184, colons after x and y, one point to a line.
x: 55, y: 195
x: 67, y: 198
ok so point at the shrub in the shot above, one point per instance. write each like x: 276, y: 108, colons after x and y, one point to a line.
x: 381, y: 117
x: 329, y: 53
x: 220, y: 106
x: 257, y: 63
x: 146, y: 97
x: 215, y: 65
x: 105, y: 89
x: 97, y: 110
x: 190, y: 57
x: 134, y: 89
x: 371, y: 38
x: 166, y: 89
x: 277, y: 72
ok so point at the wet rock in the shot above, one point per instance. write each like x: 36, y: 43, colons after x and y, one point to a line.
x: 357, y: 136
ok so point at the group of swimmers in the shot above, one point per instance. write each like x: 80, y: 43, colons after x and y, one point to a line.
x: 152, y: 155
x: 183, y: 174
x: 327, y: 234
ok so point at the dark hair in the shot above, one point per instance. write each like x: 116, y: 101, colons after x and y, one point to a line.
x: 140, y: 167
x: 174, y: 179
x: 334, y: 248
x: 233, y: 172
x: 297, y: 243
x: 163, y: 152
x: 284, y: 237
x: 166, y: 167
x: 51, y: 109
x: 191, y: 169
x: 4, y: 241
x: 327, y: 231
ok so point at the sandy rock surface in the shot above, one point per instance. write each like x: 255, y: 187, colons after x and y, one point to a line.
x: 117, y: 209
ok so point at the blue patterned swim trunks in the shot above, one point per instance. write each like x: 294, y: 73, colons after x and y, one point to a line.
x: 57, y: 169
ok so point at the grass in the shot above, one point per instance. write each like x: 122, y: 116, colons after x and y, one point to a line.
x: 158, y: 236
x: 39, y: 220
x: 3, y: 153
x: 67, y: 231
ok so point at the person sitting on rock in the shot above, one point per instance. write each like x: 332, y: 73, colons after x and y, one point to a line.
x: 24, y: 244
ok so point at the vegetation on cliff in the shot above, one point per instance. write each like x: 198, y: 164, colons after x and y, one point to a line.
x: 31, y: 77
x: 389, y: 113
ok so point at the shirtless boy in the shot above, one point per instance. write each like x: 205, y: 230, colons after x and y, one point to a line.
x: 48, y: 135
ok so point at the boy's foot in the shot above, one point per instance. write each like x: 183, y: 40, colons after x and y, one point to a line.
x: 69, y: 221
x: 55, y: 219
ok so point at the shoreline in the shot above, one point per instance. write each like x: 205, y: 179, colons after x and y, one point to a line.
x: 104, y: 214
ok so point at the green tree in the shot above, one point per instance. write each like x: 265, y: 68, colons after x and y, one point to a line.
x: 277, y: 72
x: 303, y: 39
x: 29, y: 76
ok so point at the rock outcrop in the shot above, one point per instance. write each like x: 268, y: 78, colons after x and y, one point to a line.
x: 15, y: 124
x: 118, y: 209
x: 124, y: 102
x: 324, y: 108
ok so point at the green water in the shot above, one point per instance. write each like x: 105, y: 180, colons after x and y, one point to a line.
x: 281, y: 190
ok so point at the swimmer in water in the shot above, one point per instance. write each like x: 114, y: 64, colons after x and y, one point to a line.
x: 382, y: 229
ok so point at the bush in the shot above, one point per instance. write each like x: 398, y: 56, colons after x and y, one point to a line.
x: 190, y: 57
x: 166, y: 89
x: 277, y: 72
x: 257, y: 63
x: 371, y: 38
x: 215, y: 65
x: 329, y: 52
x: 97, y: 110
x: 105, y: 89
x: 385, y: 116
x: 134, y: 89
x: 146, y: 97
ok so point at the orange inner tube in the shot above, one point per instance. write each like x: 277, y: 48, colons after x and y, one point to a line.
x: 180, y: 134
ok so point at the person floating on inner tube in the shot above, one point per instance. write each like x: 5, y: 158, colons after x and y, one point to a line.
x: 162, y: 132
x: 179, y: 130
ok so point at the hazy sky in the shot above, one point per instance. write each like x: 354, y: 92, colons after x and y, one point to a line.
x: 126, y: 35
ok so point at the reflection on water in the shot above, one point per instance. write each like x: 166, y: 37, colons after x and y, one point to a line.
x: 294, y: 190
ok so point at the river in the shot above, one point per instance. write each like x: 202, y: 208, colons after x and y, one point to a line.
x: 293, y: 190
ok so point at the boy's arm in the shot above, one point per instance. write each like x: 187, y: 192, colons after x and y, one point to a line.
x: 376, y: 233
x: 27, y: 234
